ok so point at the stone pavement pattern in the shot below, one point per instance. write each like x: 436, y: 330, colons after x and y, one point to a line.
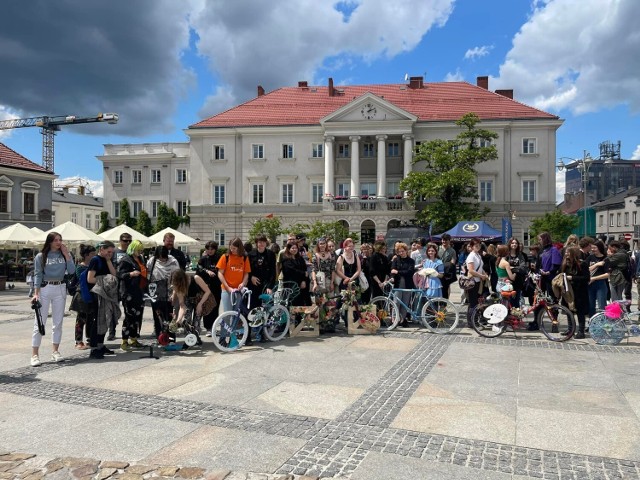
x: 406, y: 404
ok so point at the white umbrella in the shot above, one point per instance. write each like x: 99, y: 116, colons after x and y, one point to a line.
x: 181, y: 238
x: 114, y: 235
x: 72, y: 234
x: 36, y: 230
x: 16, y: 236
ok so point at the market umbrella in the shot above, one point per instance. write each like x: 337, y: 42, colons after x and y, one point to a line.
x: 16, y: 236
x: 36, y: 230
x: 114, y: 235
x: 181, y: 238
x: 72, y: 235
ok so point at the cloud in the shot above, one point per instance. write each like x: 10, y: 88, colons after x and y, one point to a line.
x: 6, y: 114
x: 454, y: 77
x: 81, y: 58
x: 248, y: 43
x: 477, y: 52
x: 95, y: 188
x: 636, y: 153
x: 582, y: 58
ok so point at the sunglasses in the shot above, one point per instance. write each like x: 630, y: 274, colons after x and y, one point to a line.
x: 126, y: 240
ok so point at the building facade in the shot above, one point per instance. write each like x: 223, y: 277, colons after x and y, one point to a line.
x: 25, y: 191
x: 617, y: 217
x: 310, y: 153
x: 79, y: 208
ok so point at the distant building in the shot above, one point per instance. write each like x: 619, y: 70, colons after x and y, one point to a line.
x: 617, y: 216
x: 25, y: 191
x: 79, y: 208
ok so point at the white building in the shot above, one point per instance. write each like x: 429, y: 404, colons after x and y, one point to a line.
x: 297, y: 152
x: 617, y: 216
x: 79, y: 208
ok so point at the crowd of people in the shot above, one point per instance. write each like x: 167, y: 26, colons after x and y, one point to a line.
x: 121, y: 281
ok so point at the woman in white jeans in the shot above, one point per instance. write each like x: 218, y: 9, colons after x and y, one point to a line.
x: 50, y: 266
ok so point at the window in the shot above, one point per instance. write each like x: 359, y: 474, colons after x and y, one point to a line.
x: 136, y: 208
x: 484, y: 142
x: 317, y: 150
x: 155, y: 205
x: 74, y: 217
x: 218, y: 194
x: 96, y: 222
x: 182, y: 208
x: 117, y: 177
x: 181, y: 175
x: 218, y: 152
x: 393, y: 149
x: 4, y: 201
x: 634, y: 218
x: 257, y: 192
x: 116, y: 209
x: 218, y: 236
x: 287, y: 150
x: 87, y: 221
x: 368, y: 189
x: 343, y: 150
x: 393, y: 188
x: 368, y: 150
x: 526, y: 239
x: 343, y: 190
x: 611, y: 219
x: 136, y: 176
x: 156, y: 176
x: 601, y: 220
x: 528, y: 145
x: 486, y: 191
x: 257, y: 151
x: 29, y: 203
x: 287, y: 193
x: 317, y: 192
x: 618, y: 218
x: 626, y: 219
x: 528, y: 190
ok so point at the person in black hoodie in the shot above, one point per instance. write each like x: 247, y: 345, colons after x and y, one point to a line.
x: 577, y: 271
x: 262, y: 278
x: 379, y: 268
x: 402, y: 269
x: 294, y: 269
x: 132, y: 273
x: 208, y: 271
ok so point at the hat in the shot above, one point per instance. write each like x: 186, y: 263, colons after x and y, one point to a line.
x: 301, y: 236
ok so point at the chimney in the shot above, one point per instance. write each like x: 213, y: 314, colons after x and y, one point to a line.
x: 483, y: 82
x: 416, y: 82
x: 81, y: 190
x: 506, y: 93
x: 303, y: 84
x: 332, y: 91
x: 260, y: 91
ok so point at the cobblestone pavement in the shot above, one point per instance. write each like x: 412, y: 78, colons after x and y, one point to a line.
x: 333, y: 448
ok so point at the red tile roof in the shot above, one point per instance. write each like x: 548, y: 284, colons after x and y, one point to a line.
x: 446, y: 101
x: 10, y: 158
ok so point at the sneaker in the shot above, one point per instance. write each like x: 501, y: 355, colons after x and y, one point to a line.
x: 107, y: 351
x: 579, y: 336
x: 111, y: 337
x: 96, y: 353
x: 35, y: 361
x: 134, y: 343
x: 208, y: 334
x: 56, y: 357
x: 533, y: 326
x: 125, y: 347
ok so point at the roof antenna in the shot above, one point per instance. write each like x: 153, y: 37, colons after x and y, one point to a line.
x: 406, y: 77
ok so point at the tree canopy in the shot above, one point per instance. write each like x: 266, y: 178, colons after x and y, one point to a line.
x: 558, y: 224
x: 125, y: 214
x: 144, y: 225
x: 104, y: 222
x: 446, y: 187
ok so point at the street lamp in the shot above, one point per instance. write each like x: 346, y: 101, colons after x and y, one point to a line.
x: 583, y: 165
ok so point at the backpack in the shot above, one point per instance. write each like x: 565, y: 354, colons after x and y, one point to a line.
x: 630, y: 272
x: 72, y: 283
x: 85, y: 289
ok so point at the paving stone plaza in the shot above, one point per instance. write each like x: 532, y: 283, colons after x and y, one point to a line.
x: 403, y: 405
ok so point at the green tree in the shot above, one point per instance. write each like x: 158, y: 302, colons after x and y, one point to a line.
x: 144, y: 225
x: 270, y: 226
x: 167, y: 217
x: 125, y: 214
x: 448, y: 183
x: 335, y: 230
x: 558, y: 224
x: 104, y: 222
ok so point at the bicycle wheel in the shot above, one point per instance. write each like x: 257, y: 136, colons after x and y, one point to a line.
x: 482, y: 326
x: 387, y: 312
x: 440, y: 315
x: 276, y: 324
x: 230, y: 331
x: 606, y: 331
x: 556, y: 322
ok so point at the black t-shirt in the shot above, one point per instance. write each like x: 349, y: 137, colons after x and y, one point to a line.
x: 98, y: 265
x: 263, y: 266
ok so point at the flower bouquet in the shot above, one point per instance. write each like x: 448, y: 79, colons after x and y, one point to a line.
x: 368, y: 320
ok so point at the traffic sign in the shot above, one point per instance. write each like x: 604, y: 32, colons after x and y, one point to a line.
x: 628, y: 236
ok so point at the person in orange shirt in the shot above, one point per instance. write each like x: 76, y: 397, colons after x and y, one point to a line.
x: 233, y: 272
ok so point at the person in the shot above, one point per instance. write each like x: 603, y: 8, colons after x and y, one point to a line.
x: 323, y: 262
x: 191, y: 294
x: 263, y: 276
x: 30, y: 280
x: 160, y: 267
x: 489, y: 264
x: 84, y: 310
x: 598, y: 264
x: 132, y: 274
x: 51, y: 291
x: 301, y: 240
x: 233, y: 272
x: 379, y: 268
x: 585, y: 244
x: 629, y: 273
x: 118, y: 254
x: 419, y: 251
x: 449, y: 259
x: 434, y: 283
x: 402, y: 269
x: 294, y: 269
x: 572, y: 241
x: 103, y: 283
x: 549, y: 262
x: 348, y: 266
x: 475, y: 271
x: 504, y: 272
x: 577, y: 273
x: 168, y: 241
x: 209, y: 272
x: 365, y: 258
x: 618, y: 263
x: 462, y: 265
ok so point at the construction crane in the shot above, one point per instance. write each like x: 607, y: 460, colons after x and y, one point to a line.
x: 50, y: 125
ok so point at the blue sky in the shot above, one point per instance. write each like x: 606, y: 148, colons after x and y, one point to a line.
x: 163, y: 65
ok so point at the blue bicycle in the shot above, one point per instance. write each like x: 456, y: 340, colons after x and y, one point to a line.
x: 231, y: 329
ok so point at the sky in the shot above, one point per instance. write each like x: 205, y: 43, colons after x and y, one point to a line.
x: 163, y: 65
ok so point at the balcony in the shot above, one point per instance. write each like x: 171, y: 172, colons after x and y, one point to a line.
x: 366, y: 203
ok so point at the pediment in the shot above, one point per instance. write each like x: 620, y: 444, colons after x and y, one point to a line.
x: 5, y: 181
x: 369, y: 108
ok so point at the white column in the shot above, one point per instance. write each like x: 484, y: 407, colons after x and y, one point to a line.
x: 408, y: 153
x: 355, y: 167
x: 329, y: 180
x: 382, y: 166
